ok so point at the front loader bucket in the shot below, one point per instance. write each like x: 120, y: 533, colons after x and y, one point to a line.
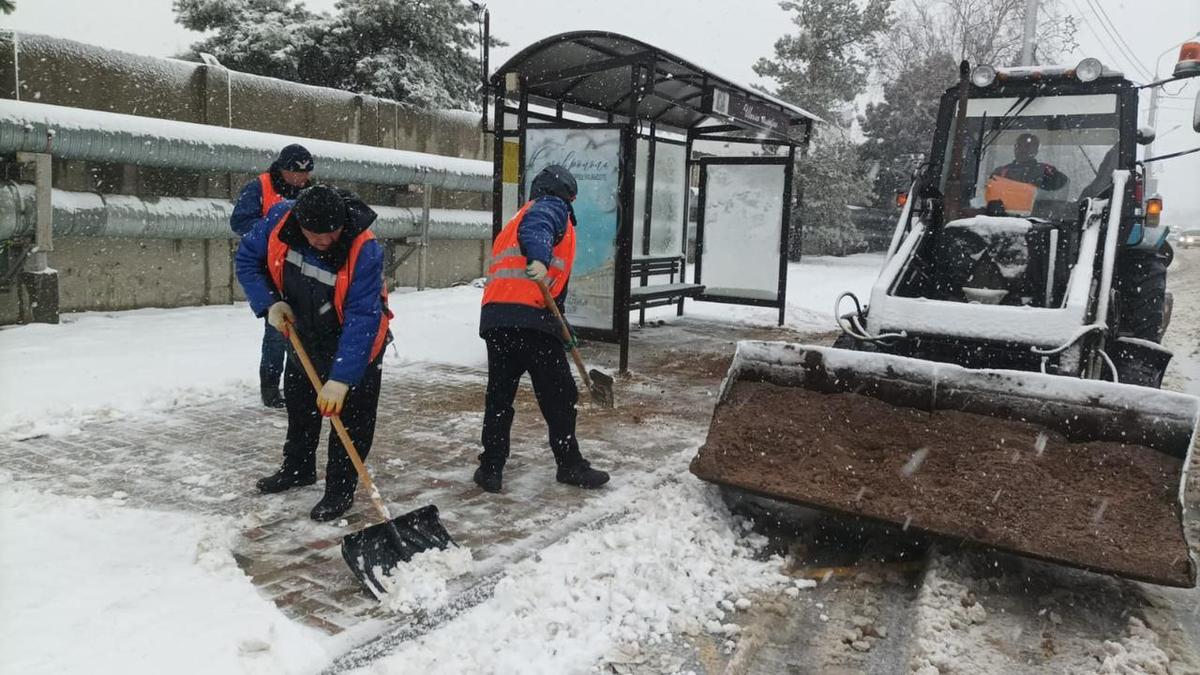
x: 1078, y: 472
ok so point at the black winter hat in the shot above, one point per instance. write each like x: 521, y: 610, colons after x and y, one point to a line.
x: 554, y: 180
x: 295, y: 157
x: 320, y: 209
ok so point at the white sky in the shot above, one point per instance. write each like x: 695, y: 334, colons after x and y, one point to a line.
x: 727, y: 36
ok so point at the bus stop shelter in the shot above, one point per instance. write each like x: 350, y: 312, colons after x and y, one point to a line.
x: 636, y: 125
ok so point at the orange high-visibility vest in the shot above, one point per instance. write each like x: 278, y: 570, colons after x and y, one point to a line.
x: 277, y: 253
x: 506, y: 280
x: 269, y: 196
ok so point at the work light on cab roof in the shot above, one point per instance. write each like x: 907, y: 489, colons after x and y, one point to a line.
x: 983, y: 75
x: 1088, y: 70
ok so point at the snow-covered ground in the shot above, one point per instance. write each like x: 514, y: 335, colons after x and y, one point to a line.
x: 95, y: 586
x: 677, y: 566
x: 90, y: 586
x: 103, y: 364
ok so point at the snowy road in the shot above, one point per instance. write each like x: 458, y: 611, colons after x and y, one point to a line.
x: 970, y: 611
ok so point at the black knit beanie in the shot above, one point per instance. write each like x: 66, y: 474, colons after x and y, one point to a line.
x: 320, y: 209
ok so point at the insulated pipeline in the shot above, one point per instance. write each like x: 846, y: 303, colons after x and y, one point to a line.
x: 88, y: 214
x: 93, y: 135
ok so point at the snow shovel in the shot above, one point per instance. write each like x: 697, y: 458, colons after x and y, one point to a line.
x: 599, y: 384
x: 372, y: 553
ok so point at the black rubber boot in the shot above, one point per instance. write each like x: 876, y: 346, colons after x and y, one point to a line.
x: 489, y: 478
x: 271, y: 397
x: 332, y: 505
x: 581, y: 475
x: 286, y: 478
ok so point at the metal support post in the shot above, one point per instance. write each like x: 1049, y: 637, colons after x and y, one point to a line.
x: 423, y: 251
x: 39, y: 282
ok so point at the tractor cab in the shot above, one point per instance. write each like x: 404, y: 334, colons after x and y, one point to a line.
x: 1011, y: 173
x: 1027, y: 240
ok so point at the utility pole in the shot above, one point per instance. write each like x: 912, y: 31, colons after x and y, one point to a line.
x: 1031, y: 12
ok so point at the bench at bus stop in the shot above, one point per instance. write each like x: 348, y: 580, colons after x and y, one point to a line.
x: 646, y: 295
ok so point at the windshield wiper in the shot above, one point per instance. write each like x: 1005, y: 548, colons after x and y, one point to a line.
x: 1006, y: 122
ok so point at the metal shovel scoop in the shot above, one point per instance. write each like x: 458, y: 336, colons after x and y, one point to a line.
x: 372, y: 553
x: 599, y: 384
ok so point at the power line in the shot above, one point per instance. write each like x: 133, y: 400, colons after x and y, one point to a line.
x: 1100, y: 40
x: 1110, y: 27
x: 1121, y: 43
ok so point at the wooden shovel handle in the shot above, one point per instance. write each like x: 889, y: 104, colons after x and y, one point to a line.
x: 566, y: 331
x: 290, y: 331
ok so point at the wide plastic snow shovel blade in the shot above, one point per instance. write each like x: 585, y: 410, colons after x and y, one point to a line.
x: 1083, y: 473
x: 601, y: 388
x: 372, y: 553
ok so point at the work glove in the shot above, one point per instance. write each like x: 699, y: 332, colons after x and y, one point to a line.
x: 536, y: 270
x: 281, y: 316
x: 573, y: 343
x: 331, y: 397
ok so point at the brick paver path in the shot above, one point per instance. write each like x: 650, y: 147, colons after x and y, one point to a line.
x: 204, y: 458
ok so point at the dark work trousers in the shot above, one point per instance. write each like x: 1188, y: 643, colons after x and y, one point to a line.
x: 274, y: 350
x: 512, y: 352
x: 304, y: 421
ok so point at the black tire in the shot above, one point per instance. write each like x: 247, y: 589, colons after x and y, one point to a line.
x: 845, y: 341
x: 1168, y: 307
x: 1142, y: 283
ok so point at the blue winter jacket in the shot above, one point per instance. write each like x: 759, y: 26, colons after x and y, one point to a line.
x: 542, y: 228
x: 362, y: 309
x: 247, y: 211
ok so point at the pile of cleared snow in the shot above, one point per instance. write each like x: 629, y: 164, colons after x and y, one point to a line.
x: 421, y: 582
x: 1136, y: 653
x: 91, y: 587
x: 946, y: 631
x: 662, y: 572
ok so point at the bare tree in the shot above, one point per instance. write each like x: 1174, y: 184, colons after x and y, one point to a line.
x: 981, y: 31
x: 923, y: 48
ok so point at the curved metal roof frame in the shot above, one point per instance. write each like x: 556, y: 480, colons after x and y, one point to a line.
x: 606, y: 73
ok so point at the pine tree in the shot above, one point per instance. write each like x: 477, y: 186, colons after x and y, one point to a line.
x: 832, y: 179
x: 275, y: 38
x: 899, y: 129
x: 417, y: 52
x: 824, y: 64
x: 822, y: 67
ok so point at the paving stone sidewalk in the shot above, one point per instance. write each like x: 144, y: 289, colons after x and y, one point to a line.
x: 204, y: 459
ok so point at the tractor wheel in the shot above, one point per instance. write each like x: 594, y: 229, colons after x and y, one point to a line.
x: 1142, y: 283
x: 845, y: 341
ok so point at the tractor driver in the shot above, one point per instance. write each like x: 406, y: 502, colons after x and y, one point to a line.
x: 1025, y: 167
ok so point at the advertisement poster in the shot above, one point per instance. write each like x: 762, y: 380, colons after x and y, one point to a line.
x: 593, y: 157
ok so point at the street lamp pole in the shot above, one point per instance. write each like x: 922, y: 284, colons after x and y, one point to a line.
x: 1027, y: 43
x: 1152, y: 119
